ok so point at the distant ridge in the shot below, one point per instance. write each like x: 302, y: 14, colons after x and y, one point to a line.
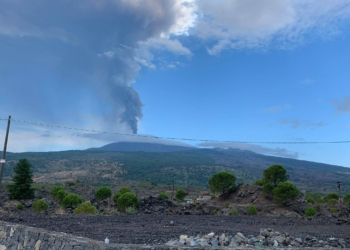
x: 140, y: 147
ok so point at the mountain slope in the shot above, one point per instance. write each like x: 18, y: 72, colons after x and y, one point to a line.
x: 191, y: 167
x: 140, y: 146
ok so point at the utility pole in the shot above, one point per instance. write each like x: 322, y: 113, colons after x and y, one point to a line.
x: 2, y: 160
x: 340, y: 200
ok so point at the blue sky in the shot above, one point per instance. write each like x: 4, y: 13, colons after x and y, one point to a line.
x: 252, y: 70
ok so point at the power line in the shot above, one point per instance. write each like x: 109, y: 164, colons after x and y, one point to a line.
x: 175, y: 138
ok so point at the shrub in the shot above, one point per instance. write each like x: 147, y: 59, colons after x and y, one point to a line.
x: 221, y: 181
x: 121, y: 191
x: 61, y: 194
x: 346, y: 200
x: 333, y: 210
x: 22, y: 181
x: 39, y: 206
x: 20, y: 206
x: 130, y: 210
x: 331, y: 196
x: 40, y: 197
x: 213, y: 196
x: 332, y: 202
x: 309, y: 212
x: 197, y: 207
x: 103, y: 193
x: 54, y: 192
x: 214, y: 211
x: 268, y: 189
x: 285, y: 192
x: 116, y: 197
x: 252, y: 210
x: 320, y: 200
x: 72, y: 200
x: 259, y: 183
x: 227, y: 204
x: 163, y: 195
x: 234, y: 212
x: 310, y: 200
x: 85, y: 208
x: 127, y: 200
x: 275, y: 174
x: 180, y: 194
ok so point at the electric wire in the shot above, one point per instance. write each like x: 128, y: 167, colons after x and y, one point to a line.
x: 176, y: 138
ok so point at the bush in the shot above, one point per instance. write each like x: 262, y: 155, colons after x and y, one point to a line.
x: 103, y: 193
x: 55, y: 190
x: 61, y: 194
x: 121, y: 191
x: 331, y: 196
x: 252, y: 210
x: 309, y: 212
x: 72, y: 200
x: 116, y: 197
x: 213, y: 196
x: 268, y: 188
x: 221, y: 181
x: 130, y: 210
x: 127, y: 200
x: 332, y: 202
x: 214, y: 211
x: 20, y: 206
x: 85, y: 208
x: 234, y: 212
x: 163, y: 195
x: 310, y: 200
x: 227, y: 204
x: 320, y: 200
x: 346, y: 200
x: 333, y: 210
x: 197, y: 207
x: 259, y: 183
x: 180, y: 194
x: 39, y: 206
x: 285, y: 192
x: 22, y: 181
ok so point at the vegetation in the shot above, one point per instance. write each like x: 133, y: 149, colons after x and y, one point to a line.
x: 221, y: 182
x: 332, y: 202
x: 259, y: 183
x: 331, y: 196
x: 275, y: 174
x: 61, y: 194
x: 227, y: 204
x: 234, y: 212
x: 320, y: 200
x: 268, y: 189
x: 20, y: 206
x: 163, y: 195
x: 130, y: 210
x: 310, y: 200
x: 39, y: 206
x: 85, y: 208
x: 54, y: 192
x: 214, y: 211
x: 309, y: 212
x: 72, y: 200
x: 285, y: 192
x: 346, y: 200
x: 213, y: 196
x: 22, y: 181
x: 103, y: 193
x: 333, y: 210
x: 252, y: 210
x: 121, y: 191
x: 180, y: 194
x: 126, y: 200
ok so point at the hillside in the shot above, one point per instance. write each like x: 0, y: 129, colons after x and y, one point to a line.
x: 140, y: 146
x: 188, y: 168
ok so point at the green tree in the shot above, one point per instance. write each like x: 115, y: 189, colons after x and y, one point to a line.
x: 332, y: 202
x: 127, y: 200
x: 222, y: 181
x: 103, y: 193
x: 268, y: 189
x: 259, y: 183
x: 22, y: 181
x: 275, y: 174
x: 285, y: 192
x: 346, y: 200
x: 121, y: 191
x: 331, y: 196
x: 180, y: 194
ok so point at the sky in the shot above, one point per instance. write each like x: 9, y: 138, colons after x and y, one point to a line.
x: 218, y: 72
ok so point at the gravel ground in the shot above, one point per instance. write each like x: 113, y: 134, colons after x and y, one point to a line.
x: 157, y: 229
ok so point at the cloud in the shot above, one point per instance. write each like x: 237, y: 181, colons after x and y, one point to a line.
x: 281, y: 152
x: 88, y: 47
x: 302, y: 124
x: 237, y: 24
x: 342, y: 106
x: 273, y: 109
